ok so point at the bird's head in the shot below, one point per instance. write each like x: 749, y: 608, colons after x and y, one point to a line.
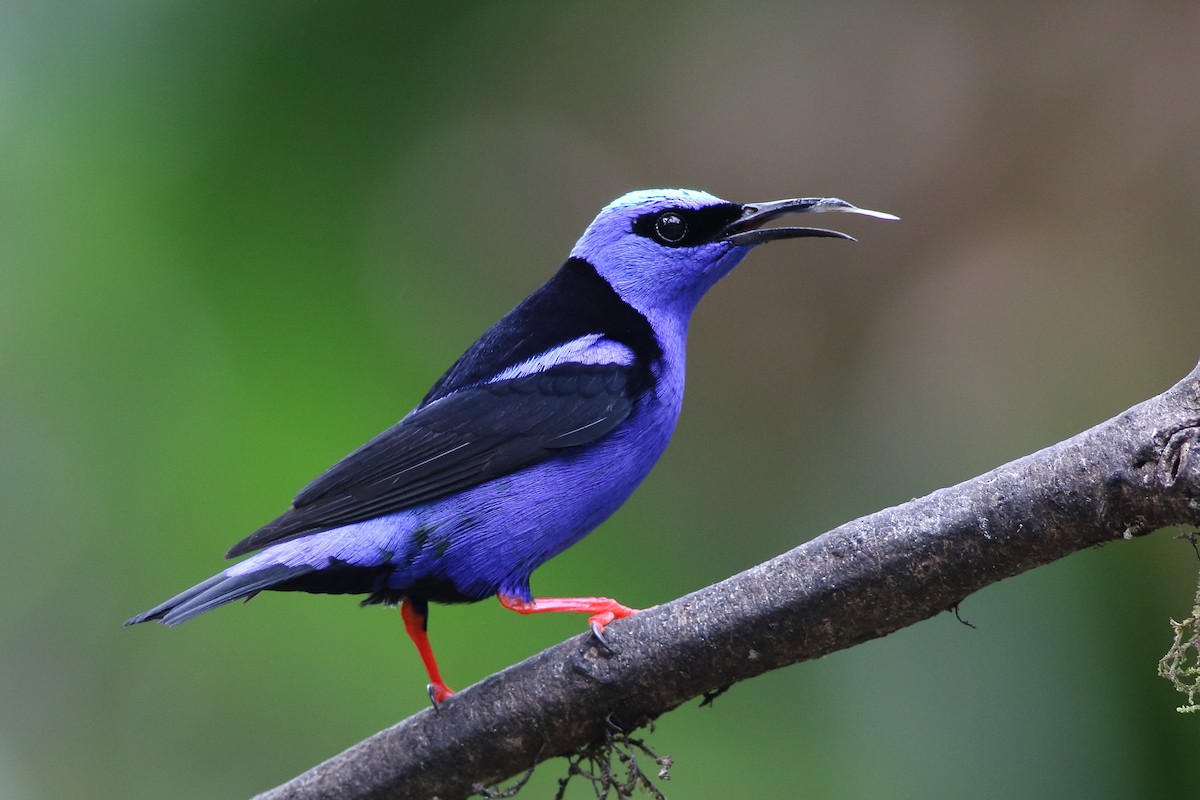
x: 663, y: 248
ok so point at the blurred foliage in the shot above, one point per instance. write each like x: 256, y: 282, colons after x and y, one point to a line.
x: 237, y: 239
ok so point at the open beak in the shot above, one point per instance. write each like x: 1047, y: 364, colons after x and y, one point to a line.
x: 747, y: 229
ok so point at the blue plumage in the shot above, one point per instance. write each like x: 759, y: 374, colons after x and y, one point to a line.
x: 539, y: 432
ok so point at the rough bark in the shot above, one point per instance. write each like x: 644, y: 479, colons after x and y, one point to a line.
x: 1131, y: 475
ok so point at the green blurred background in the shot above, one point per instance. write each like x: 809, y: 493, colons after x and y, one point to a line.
x: 237, y: 239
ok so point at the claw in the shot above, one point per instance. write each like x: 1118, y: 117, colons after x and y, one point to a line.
x: 598, y: 635
x: 438, y: 694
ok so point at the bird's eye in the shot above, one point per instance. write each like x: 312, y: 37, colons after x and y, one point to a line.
x: 670, y: 227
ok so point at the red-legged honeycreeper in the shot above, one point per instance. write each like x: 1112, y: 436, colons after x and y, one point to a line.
x: 538, y: 432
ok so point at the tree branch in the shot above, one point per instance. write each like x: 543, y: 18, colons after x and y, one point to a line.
x: 1138, y: 472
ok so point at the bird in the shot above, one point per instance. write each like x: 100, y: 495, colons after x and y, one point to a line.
x: 531, y: 439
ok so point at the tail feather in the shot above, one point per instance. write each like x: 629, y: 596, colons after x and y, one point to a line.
x: 219, y: 590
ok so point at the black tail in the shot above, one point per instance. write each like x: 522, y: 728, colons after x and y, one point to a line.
x: 217, y: 591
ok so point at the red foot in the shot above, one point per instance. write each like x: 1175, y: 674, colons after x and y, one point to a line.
x: 438, y: 692
x: 415, y: 623
x: 602, y: 609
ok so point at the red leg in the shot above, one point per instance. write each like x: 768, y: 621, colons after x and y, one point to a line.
x: 415, y: 623
x: 602, y: 609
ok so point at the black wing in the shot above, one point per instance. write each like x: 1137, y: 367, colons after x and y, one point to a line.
x: 463, y: 439
x: 576, y: 302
